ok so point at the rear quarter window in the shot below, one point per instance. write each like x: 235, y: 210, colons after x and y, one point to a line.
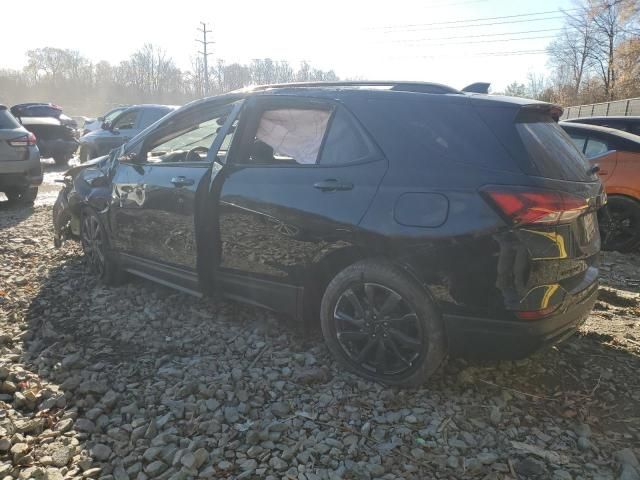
x: 549, y: 151
x: 7, y: 121
x: 421, y: 129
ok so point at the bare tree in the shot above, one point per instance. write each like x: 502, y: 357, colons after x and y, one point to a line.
x: 571, y: 54
x: 614, y: 20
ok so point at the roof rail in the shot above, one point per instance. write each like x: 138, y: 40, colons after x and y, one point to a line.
x: 421, y: 87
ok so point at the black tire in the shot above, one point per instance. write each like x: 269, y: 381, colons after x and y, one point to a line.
x: 96, y: 249
x: 26, y: 195
x: 620, y: 224
x: 403, y: 320
x: 61, y: 160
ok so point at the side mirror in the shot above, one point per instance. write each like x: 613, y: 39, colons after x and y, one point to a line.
x: 129, y: 157
x: 106, y: 125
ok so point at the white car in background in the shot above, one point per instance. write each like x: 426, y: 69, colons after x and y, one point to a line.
x: 93, y: 124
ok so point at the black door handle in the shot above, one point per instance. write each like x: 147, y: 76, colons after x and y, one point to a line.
x: 182, y: 181
x: 333, y: 185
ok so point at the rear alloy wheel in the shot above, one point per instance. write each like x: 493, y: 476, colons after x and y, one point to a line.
x: 26, y: 195
x: 379, y: 323
x: 620, y: 224
x: 95, y: 247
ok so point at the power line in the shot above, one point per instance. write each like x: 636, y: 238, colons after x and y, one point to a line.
x: 481, y: 19
x: 204, y: 53
x: 415, y: 40
x: 508, y: 22
x: 484, y: 41
x: 473, y: 54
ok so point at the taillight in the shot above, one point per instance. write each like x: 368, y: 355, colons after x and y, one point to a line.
x: 526, y: 206
x: 28, y: 140
x: 535, y: 314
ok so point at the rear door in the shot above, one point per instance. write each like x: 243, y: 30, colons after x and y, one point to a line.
x: 156, y: 191
x: 300, y: 177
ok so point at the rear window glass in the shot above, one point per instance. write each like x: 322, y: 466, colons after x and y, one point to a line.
x: 551, y: 152
x: 7, y: 121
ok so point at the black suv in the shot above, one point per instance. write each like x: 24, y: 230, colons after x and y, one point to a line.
x: 413, y: 219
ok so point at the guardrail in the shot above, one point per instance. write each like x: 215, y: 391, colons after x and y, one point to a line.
x: 628, y: 107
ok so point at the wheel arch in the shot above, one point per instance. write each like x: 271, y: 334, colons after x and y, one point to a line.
x: 328, y: 264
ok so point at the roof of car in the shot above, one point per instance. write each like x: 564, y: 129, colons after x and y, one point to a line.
x: 604, y: 118
x: 404, y: 86
x: 600, y: 129
x: 154, y: 106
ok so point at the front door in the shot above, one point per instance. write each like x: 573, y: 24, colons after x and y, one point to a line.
x: 302, y: 174
x: 156, y: 193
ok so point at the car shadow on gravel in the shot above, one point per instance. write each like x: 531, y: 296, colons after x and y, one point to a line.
x: 139, y: 378
x: 12, y: 213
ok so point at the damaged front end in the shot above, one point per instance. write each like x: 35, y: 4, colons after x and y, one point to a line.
x: 85, y: 185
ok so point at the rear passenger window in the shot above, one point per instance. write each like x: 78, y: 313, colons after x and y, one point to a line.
x: 345, y: 141
x: 289, y: 135
x: 595, y: 147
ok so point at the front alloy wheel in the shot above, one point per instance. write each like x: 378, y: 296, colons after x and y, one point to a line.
x: 93, y: 244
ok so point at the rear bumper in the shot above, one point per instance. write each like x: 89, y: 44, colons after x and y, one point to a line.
x: 504, y: 339
x: 58, y: 147
x: 21, y: 173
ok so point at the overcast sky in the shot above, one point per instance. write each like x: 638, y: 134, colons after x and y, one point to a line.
x: 456, y: 42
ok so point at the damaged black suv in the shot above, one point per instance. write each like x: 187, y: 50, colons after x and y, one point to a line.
x: 412, y: 219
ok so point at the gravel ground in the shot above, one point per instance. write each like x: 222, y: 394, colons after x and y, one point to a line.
x: 140, y: 382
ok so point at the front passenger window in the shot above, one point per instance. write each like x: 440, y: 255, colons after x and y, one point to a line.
x: 126, y: 121
x: 191, y: 143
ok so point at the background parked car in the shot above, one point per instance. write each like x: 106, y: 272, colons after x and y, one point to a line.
x: 55, y: 139
x: 627, y: 124
x: 36, y: 109
x: 617, y: 153
x: 362, y: 207
x: 126, y: 125
x: 20, y: 170
x: 93, y: 124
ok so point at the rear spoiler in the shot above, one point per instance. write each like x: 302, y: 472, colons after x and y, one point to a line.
x: 478, y: 87
x: 551, y: 108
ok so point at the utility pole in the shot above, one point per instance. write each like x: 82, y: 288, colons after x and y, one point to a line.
x: 205, y: 54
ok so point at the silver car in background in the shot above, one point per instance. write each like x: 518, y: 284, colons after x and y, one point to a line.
x: 20, y: 170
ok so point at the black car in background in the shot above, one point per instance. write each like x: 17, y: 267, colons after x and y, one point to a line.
x: 56, y: 133
x: 627, y: 124
x: 411, y: 219
x: 126, y: 125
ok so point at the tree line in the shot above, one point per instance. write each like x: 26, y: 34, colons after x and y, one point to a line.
x: 149, y: 75
x: 594, y: 58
